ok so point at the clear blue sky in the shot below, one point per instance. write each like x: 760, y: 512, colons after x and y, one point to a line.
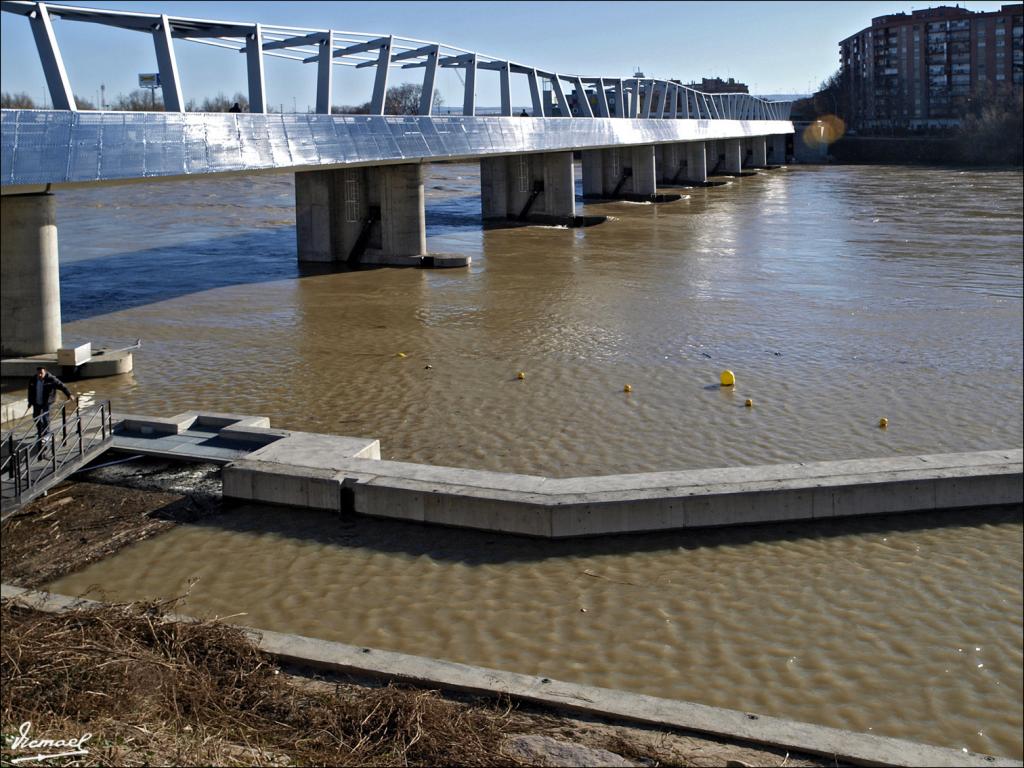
x: 775, y: 47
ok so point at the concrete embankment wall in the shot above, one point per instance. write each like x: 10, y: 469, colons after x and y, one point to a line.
x: 346, y: 474
x: 898, y: 150
x: 590, y: 506
x: 920, y: 150
x: 847, y: 747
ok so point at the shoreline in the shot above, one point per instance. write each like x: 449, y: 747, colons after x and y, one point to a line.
x: 836, y: 745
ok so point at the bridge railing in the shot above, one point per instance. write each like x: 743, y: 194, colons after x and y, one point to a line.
x: 34, y: 454
x: 552, y: 94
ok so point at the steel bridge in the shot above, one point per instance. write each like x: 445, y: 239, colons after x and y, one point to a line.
x: 359, y: 195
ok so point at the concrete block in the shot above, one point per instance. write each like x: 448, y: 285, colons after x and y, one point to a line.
x: 74, y: 356
x: 102, y: 363
x: 955, y: 492
x: 616, y: 517
x: 850, y: 498
x: 155, y: 425
x: 236, y: 481
x: 292, y: 486
x: 257, y: 436
x: 516, y: 517
x: 217, y: 420
x: 384, y: 501
x: 305, y: 449
x: 744, y: 508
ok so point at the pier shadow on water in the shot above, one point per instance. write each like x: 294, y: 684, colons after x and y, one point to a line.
x: 472, y: 547
x: 125, y: 281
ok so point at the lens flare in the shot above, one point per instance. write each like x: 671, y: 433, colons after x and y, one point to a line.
x: 824, y: 131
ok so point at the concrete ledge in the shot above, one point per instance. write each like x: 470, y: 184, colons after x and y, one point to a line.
x: 215, y: 420
x: 590, y: 506
x: 102, y: 363
x: 258, y: 436
x: 439, y: 261
x: 154, y: 425
x: 229, y: 425
x: 842, y: 745
x: 342, y: 474
x: 306, y: 487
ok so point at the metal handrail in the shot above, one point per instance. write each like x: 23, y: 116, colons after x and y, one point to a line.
x: 76, y: 435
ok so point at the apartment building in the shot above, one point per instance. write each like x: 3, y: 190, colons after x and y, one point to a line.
x: 920, y: 70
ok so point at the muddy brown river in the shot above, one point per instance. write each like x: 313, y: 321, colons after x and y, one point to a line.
x: 837, y: 295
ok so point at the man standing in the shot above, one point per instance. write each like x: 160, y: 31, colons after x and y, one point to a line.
x: 42, y: 391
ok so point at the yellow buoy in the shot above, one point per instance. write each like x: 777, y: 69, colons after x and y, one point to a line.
x: 883, y: 422
x: 749, y: 403
x: 728, y: 378
x: 400, y: 354
x: 521, y: 375
x: 628, y: 388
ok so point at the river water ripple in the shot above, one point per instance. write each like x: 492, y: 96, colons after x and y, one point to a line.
x: 837, y: 294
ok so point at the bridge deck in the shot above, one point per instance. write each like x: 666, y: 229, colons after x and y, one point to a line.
x: 62, y: 148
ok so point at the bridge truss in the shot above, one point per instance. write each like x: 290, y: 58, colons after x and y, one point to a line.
x: 594, y: 96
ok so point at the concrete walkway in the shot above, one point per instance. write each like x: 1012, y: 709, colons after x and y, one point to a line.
x: 844, y: 746
x: 345, y: 474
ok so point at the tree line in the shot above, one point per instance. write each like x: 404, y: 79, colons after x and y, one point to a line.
x: 401, y: 99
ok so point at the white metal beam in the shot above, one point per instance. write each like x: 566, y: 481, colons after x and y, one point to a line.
x: 469, y: 94
x: 49, y: 55
x: 429, y: 76
x: 380, y: 82
x: 167, y: 65
x: 324, y: 74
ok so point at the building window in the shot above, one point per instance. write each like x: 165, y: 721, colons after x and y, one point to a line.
x: 1000, y: 76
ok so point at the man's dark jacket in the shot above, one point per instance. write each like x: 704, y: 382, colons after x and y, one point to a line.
x: 50, y: 386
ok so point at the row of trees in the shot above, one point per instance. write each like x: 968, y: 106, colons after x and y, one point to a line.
x: 992, y: 127
x: 401, y: 99
x: 138, y: 100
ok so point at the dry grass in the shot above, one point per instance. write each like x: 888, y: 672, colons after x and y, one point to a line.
x: 201, y: 693
x: 80, y: 523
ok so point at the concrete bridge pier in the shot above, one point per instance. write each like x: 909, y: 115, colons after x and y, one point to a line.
x: 756, y: 152
x: 696, y: 162
x: 371, y: 215
x: 670, y: 162
x: 622, y: 173
x: 732, y: 149
x: 644, y: 180
x: 29, y: 275
x: 537, y: 187
x: 777, y: 148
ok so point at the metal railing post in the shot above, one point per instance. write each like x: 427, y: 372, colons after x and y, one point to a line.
x: 81, y: 451
x: 64, y: 422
